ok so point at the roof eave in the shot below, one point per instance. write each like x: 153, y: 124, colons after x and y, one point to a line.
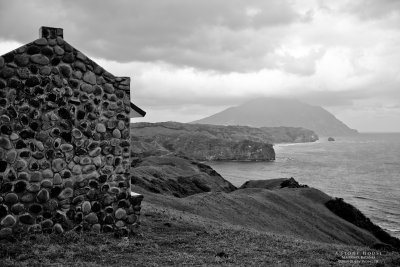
x: 138, y: 110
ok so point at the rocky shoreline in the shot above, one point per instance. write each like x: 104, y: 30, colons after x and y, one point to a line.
x: 279, y: 205
x: 166, y: 165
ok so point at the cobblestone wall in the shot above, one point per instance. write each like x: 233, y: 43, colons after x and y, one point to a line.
x: 64, y: 143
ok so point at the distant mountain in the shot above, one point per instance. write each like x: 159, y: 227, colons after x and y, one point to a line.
x: 271, y: 112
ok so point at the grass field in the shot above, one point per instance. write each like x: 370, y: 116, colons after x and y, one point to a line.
x: 172, y: 238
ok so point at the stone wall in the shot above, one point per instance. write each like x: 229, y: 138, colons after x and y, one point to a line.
x: 64, y: 143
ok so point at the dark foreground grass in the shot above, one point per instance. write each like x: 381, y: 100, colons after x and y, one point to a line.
x: 166, y: 238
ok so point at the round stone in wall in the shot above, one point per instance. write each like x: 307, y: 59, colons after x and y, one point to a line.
x: 21, y: 60
x: 27, y: 219
x: 43, y: 196
x: 120, y: 214
x: 40, y: 59
x: 8, y: 221
x: 41, y: 41
x: 91, y: 218
x: 89, y: 77
x: 65, y: 70
x: 96, y: 228
x: 86, y: 207
x: 66, y: 193
x: 58, y: 165
x: 57, y: 180
x: 17, y: 208
x: 11, y: 198
x: 58, y: 229
x: 5, y: 143
x: 116, y: 133
x: 101, y: 128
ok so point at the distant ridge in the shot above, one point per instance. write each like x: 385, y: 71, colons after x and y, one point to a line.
x: 275, y: 112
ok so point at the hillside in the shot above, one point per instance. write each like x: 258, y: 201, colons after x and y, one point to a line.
x: 212, y: 142
x: 177, y: 176
x: 177, y: 238
x: 280, y: 112
x: 280, y: 206
x: 295, y: 212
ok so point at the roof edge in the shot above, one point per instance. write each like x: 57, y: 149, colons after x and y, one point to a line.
x: 138, y: 110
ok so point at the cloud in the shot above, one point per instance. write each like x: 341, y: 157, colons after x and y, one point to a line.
x: 208, y: 34
x: 371, y: 9
x: 189, y: 59
x: 303, y: 65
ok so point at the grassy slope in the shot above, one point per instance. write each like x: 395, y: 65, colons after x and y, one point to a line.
x: 295, y: 212
x: 250, y: 226
x: 170, y: 237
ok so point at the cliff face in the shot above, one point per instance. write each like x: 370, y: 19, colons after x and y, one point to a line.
x: 213, y: 142
x: 204, y: 148
x: 290, y: 134
x: 177, y: 176
x: 281, y: 112
x: 356, y: 217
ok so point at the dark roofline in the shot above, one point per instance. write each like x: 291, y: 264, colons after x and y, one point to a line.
x: 138, y: 110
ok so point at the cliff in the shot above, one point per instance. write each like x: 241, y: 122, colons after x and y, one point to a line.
x: 280, y: 112
x: 272, y: 184
x: 211, y: 142
x: 356, y: 217
x: 296, y: 212
x: 177, y: 176
x: 196, y: 143
x: 280, y: 206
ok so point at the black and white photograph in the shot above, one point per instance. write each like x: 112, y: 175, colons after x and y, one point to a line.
x: 200, y: 133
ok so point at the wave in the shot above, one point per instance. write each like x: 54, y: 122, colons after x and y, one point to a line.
x: 391, y: 213
x: 364, y: 198
x: 384, y: 220
x: 392, y: 163
x: 393, y: 230
x: 296, y: 144
x: 368, y: 198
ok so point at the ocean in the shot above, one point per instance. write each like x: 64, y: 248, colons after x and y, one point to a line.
x: 364, y: 170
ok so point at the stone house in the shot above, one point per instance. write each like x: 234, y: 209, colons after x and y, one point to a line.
x: 64, y: 141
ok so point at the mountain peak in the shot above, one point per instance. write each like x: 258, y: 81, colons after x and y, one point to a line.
x: 275, y: 112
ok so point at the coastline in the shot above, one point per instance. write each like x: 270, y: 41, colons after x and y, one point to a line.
x: 342, y: 168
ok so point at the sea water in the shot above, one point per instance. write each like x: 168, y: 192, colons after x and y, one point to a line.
x: 363, y: 169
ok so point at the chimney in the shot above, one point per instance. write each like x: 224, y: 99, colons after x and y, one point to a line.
x: 50, y: 33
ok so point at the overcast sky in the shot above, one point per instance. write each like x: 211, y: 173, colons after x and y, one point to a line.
x: 190, y: 59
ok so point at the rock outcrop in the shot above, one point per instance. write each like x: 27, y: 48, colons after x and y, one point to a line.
x: 356, y: 217
x: 177, y: 176
x: 273, y: 184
